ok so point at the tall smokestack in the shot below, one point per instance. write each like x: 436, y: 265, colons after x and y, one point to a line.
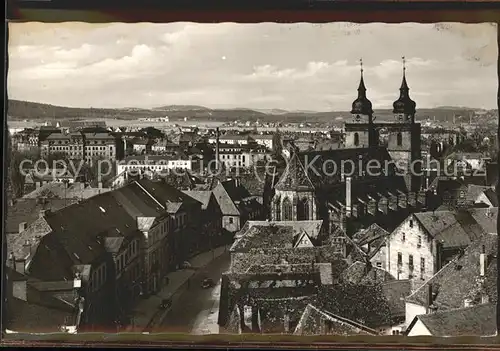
x: 348, y: 200
x: 482, y: 262
x: 217, y: 148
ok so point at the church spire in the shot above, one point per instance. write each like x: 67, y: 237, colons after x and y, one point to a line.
x: 404, y: 105
x: 361, y: 88
x: 362, y: 106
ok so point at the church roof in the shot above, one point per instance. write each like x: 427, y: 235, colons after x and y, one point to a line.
x: 404, y: 104
x: 295, y: 177
x: 362, y: 105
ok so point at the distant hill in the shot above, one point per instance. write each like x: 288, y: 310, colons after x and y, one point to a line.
x: 21, y: 110
x: 180, y: 108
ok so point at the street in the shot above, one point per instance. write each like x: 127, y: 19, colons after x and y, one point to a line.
x: 195, y: 302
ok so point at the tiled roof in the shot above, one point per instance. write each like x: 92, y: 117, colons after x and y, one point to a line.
x: 395, y: 292
x: 313, y: 316
x: 472, y: 321
x: 295, y: 177
x: 165, y: 193
x: 201, y: 196
x: 28, y: 210
x: 265, y: 237
x: 486, y: 218
x: 137, y: 202
x: 75, y: 231
x: 492, y: 196
x: 312, y: 227
x: 226, y: 204
x: 435, y: 222
x: 370, y: 234
x: 473, y: 191
x: 33, y: 318
x: 61, y: 190
x: 33, y: 233
x: 360, y: 273
x: 455, y: 281
x: 362, y: 303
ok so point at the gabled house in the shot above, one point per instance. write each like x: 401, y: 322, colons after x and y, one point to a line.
x: 236, y: 204
x: 426, y: 241
x: 185, y: 214
x: 154, y: 223
x: 63, y: 243
x: 468, y: 321
x: 211, y: 220
x: 271, y: 242
x: 22, y: 212
x: 469, y: 279
x: 42, y: 307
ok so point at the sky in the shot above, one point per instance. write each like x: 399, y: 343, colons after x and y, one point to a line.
x: 299, y: 66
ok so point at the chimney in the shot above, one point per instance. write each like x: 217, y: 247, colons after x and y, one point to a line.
x: 482, y: 263
x: 430, y: 298
x: 77, y: 282
x: 22, y: 227
x: 217, y: 149
x: 348, y: 201
x: 12, y: 259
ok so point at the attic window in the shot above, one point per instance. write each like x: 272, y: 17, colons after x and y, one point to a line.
x: 77, y: 257
x: 102, y: 209
x: 126, y: 225
x: 117, y: 230
x: 90, y: 247
x: 411, y: 223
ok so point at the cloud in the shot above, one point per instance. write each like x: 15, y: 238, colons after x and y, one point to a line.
x: 292, y: 66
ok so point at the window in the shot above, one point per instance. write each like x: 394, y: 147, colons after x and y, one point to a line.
x: 278, y: 211
x: 231, y: 220
x: 400, y: 259
x: 399, y: 139
x: 379, y: 264
x: 303, y: 210
x: 411, y: 223
x: 419, y: 244
x: 422, y: 268
x: 356, y: 139
x: 404, y: 237
x: 410, y: 262
x: 287, y: 210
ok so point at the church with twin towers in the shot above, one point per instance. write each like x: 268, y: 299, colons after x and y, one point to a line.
x: 358, y: 199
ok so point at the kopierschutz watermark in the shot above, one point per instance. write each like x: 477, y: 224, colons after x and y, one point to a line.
x: 313, y: 166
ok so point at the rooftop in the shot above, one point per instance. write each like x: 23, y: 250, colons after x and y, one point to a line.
x: 472, y: 321
x: 456, y: 280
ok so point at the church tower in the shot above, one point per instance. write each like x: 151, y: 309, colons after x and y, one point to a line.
x: 294, y: 198
x: 404, y: 136
x: 361, y: 131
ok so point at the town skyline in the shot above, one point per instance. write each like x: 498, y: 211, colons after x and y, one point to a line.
x: 258, y: 67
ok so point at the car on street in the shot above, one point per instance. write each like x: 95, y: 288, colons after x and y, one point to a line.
x: 207, y: 283
x: 165, y: 303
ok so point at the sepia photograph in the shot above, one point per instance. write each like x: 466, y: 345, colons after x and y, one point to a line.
x: 289, y: 179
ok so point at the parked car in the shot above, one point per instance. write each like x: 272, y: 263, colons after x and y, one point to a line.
x: 166, y: 303
x: 186, y: 265
x: 207, y: 283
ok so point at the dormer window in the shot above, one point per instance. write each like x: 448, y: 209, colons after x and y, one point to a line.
x: 404, y: 237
